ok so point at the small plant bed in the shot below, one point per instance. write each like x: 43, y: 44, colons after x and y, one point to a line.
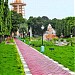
x: 62, y: 54
x: 10, y: 63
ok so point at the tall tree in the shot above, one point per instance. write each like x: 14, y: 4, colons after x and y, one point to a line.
x: 17, y: 21
x: 1, y: 16
x: 7, y: 19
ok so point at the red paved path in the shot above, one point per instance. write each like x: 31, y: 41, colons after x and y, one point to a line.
x: 37, y: 63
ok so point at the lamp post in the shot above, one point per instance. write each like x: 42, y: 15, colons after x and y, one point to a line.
x: 29, y: 38
x: 42, y: 33
x: 42, y: 47
x: 29, y: 35
x: 23, y: 34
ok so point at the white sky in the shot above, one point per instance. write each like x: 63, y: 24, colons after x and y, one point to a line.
x: 50, y: 8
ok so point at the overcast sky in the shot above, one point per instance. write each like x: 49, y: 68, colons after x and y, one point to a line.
x: 50, y: 8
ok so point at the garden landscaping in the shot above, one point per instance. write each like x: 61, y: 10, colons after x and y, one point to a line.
x: 62, y: 54
x: 10, y: 63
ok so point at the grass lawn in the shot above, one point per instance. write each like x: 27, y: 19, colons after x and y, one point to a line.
x: 10, y: 63
x: 62, y: 54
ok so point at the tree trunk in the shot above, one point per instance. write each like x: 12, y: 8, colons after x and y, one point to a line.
x: 0, y: 38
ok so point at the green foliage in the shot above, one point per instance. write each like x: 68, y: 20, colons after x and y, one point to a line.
x: 36, y: 24
x: 63, y: 54
x: 1, y: 16
x: 18, y: 22
x: 23, y: 29
x: 5, y: 18
x: 36, y: 43
x: 66, y: 26
x: 17, y: 18
x: 10, y: 62
x: 71, y: 41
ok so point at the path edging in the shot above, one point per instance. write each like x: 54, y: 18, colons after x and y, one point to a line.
x: 25, y: 66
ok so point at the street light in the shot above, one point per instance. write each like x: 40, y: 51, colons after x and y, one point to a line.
x: 24, y: 34
x: 29, y: 38
x: 42, y: 27
x: 42, y: 47
x: 42, y: 33
x: 29, y: 35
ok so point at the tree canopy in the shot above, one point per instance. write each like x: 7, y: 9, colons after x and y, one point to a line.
x: 66, y: 26
x: 17, y: 21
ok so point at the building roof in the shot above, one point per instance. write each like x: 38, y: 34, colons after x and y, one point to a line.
x: 18, y: 1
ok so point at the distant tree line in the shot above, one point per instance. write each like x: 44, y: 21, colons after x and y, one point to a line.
x: 66, y: 26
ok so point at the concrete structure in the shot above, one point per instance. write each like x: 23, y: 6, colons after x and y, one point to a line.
x: 18, y: 6
x: 50, y: 33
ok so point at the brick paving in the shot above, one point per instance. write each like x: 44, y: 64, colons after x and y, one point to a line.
x: 38, y: 63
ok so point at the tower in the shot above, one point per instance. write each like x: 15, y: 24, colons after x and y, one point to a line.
x: 18, y: 6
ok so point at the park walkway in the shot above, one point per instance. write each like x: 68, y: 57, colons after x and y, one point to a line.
x: 38, y: 63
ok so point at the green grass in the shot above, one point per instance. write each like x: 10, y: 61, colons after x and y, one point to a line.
x: 11, y: 41
x: 10, y: 63
x: 62, y: 54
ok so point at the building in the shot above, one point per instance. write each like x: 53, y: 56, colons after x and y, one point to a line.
x: 50, y: 33
x: 18, y: 6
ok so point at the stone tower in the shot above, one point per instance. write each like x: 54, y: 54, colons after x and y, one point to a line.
x: 18, y: 6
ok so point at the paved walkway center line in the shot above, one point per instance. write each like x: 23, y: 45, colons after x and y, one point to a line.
x: 38, y: 63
